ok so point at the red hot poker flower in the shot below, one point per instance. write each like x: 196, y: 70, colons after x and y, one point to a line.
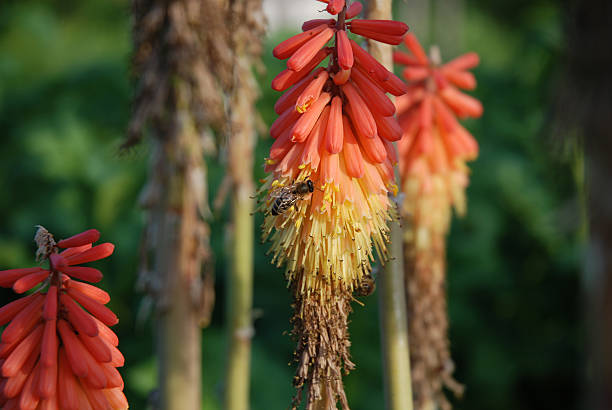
x: 57, y: 351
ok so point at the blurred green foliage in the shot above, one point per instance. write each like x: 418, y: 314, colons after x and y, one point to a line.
x: 514, y: 299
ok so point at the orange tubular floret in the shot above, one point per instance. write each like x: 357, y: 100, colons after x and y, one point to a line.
x: 330, y: 170
x: 353, y: 159
x: 400, y: 57
x: 287, y: 77
x: 68, y: 399
x: 97, y: 252
x: 73, y: 251
x: 311, y: 92
x: 98, y: 400
x: 73, y: 348
x: 310, y: 154
x: 50, y: 403
x: 308, y: 50
x: 116, y: 398
x: 345, y: 52
x: 375, y: 35
x: 8, y: 277
x: 415, y: 47
x: 361, y: 115
x: 388, y: 128
x: 97, y: 347
x: 107, y: 334
x: 9, y: 311
x: 281, y: 146
x: 461, y: 79
x: 342, y: 76
x: 82, y: 321
x: 353, y: 10
x: 50, y: 307
x: 306, y: 122
x: 416, y: 73
x: 28, y: 400
x: 310, y: 24
x: 13, y: 385
x: 391, y: 153
x: 334, y: 134
x: 83, y: 273
x: 463, y: 62
x: 29, y: 281
x: 376, y: 99
x: 463, y: 104
x: 93, y: 292
x: 389, y: 27
x: 83, y: 238
x: 48, y: 350
x: 335, y: 6
x: 22, y: 352
x: 104, y: 314
x: 24, y: 321
x: 373, y: 148
x: 283, y: 122
x: 47, y: 384
x: 292, y: 44
x: 369, y: 63
x: 288, y: 99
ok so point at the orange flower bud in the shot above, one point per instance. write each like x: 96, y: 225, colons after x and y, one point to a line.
x: 311, y: 92
x: 345, y: 52
x: 309, y: 50
x: 291, y: 45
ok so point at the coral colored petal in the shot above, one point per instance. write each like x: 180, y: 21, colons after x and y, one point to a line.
x: 310, y: 154
x: 463, y: 104
x: 287, y: 78
x: 461, y: 79
x: 82, y: 321
x: 463, y: 62
x: 341, y: 77
x: 19, y: 356
x: 29, y: 281
x: 95, y: 308
x: 288, y: 99
x: 390, y: 27
x: 329, y: 168
x: 9, y: 311
x: 8, y: 277
x: 372, y: 67
x: 29, y: 399
x: 73, y: 349
x: 93, y: 292
x: 47, y: 384
x: 415, y: 73
x: 373, y: 148
x: 286, y: 120
x: 333, y: 132
x: 83, y: 238
x: 50, y: 306
x: 97, y: 398
x: 50, y: 403
x: 107, y: 334
x: 24, y: 321
x: 335, y: 6
x: 353, y: 10
x: 353, y: 159
x: 415, y: 47
x: 400, y: 57
x: 13, y: 385
x: 310, y: 24
x: 308, y: 50
x: 361, y: 116
x: 73, y: 251
x: 97, y: 347
x: 306, y: 122
x: 388, y: 127
x: 67, y: 388
x: 291, y: 45
x: 48, y: 350
x: 83, y: 273
x: 116, y: 398
x: 345, y: 52
x: 377, y: 36
x: 97, y: 252
x: 281, y: 146
x: 374, y: 96
x: 391, y: 152
x: 311, y: 93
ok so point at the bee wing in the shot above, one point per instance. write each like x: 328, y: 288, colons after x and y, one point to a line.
x: 278, y: 192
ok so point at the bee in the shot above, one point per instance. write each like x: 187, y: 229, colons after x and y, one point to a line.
x: 287, y: 196
x: 367, y: 286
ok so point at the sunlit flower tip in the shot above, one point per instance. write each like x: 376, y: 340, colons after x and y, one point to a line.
x: 334, y: 134
x: 345, y: 52
x: 342, y: 76
x: 309, y: 49
x: 83, y: 238
x: 311, y: 92
x: 292, y: 44
x: 385, y: 31
x: 354, y: 9
x: 307, y: 121
x: 287, y: 77
x: 335, y: 6
x: 359, y: 112
x: 377, y: 100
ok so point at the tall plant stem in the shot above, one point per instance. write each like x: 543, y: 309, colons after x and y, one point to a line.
x: 245, y: 41
x: 392, y: 296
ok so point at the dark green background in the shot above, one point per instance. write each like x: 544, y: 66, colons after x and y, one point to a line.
x: 514, y: 283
